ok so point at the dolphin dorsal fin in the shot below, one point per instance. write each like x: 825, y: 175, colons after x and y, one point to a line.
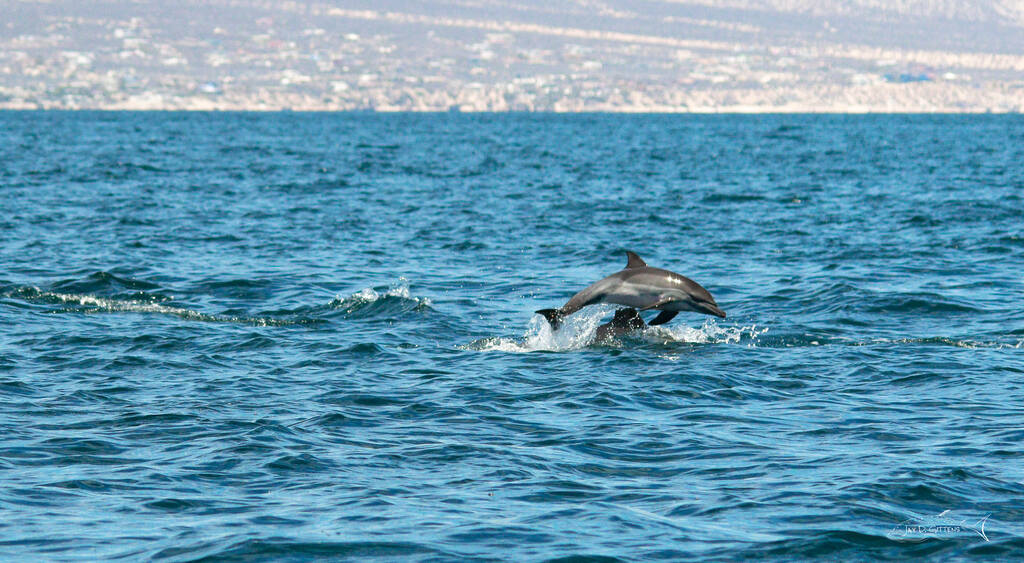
x: 634, y: 261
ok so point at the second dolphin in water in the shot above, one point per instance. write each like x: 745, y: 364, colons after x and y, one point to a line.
x: 625, y: 321
x: 644, y: 288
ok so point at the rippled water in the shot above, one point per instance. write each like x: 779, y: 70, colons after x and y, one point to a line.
x: 272, y: 336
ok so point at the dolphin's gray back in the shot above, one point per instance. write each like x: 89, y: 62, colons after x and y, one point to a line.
x: 593, y: 293
x: 636, y: 287
x: 657, y: 277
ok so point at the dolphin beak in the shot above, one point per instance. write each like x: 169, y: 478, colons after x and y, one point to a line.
x: 711, y: 309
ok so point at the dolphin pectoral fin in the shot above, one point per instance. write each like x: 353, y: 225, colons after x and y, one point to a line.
x: 634, y: 261
x: 553, y: 316
x: 663, y: 317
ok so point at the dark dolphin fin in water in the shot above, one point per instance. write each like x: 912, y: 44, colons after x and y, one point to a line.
x: 625, y: 322
x: 663, y: 317
x: 553, y: 316
x: 634, y: 261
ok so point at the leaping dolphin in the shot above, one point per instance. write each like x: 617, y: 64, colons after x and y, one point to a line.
x: 643, y: 288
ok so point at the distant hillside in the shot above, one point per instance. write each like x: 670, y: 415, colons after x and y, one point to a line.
x: 995, y: 11
x: 578, y: 55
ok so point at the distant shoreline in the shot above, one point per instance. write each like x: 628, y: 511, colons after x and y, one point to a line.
x: 722, y: 111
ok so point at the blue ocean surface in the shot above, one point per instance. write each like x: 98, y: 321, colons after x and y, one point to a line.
x: 246, y: 337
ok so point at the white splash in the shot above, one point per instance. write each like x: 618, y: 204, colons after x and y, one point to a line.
x: 708, y: 333
x: 579, y: 330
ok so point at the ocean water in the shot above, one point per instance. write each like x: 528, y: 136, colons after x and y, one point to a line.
x: 299, y: 337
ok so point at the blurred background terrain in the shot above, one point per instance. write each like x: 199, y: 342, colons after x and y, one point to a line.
x: 517, y: 55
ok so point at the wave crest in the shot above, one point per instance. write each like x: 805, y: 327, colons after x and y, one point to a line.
x: 376, y: 301
x: 139, y: 302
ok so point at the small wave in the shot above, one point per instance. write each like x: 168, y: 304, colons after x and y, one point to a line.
x: 793, y: 341
x: 922, y: 304
x: 579, y: 331
x: 102, y: 282
x: 36, y: 295
x: 139, y: 302
x: 732, y: 198
x: 373, y: 302
x: 368, y: 302
x: 955, y: 342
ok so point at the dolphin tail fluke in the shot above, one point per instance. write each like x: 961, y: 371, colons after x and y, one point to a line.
x: 553, y: 316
